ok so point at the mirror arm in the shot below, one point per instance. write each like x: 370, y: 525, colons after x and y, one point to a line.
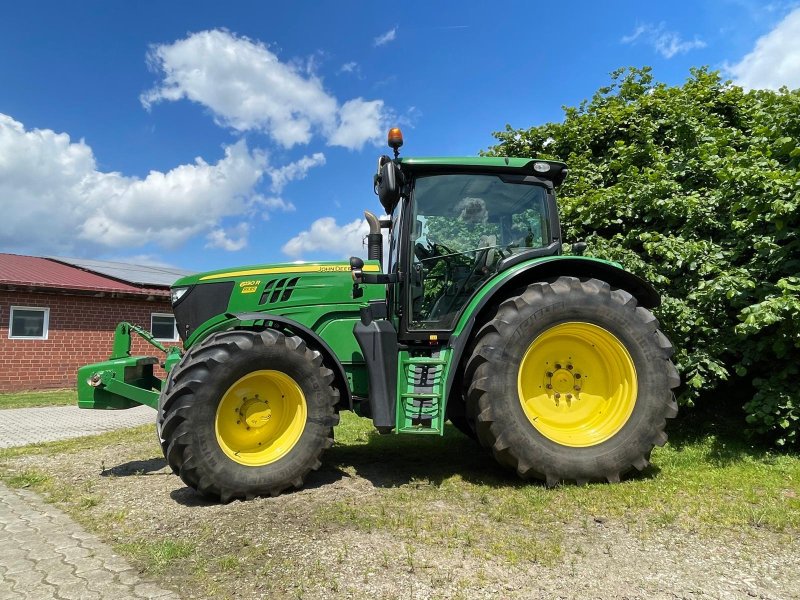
x: 380, y: 278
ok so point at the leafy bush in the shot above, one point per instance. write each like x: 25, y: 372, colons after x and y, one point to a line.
x: 695, y: 188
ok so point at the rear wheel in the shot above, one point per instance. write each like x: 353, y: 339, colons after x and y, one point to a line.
x: 571, y: 381
x: 247, y: 413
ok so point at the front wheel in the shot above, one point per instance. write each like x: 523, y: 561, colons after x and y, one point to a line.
x: 571, y: 381
x: 247, y: 413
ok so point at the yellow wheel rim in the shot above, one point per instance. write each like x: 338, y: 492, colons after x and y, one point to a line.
x: 577, y: 384
x: 260, y: 418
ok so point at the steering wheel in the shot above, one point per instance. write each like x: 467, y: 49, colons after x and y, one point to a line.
x: 423, y: 253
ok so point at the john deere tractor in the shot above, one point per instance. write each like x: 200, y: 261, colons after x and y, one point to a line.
x: 554, y: 363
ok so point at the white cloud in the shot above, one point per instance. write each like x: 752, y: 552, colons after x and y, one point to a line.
x: 248, y: 88
x: 275, y: 203
x: 775, y: 60
x: 296, y: 170
x: 326, y: 236
x: 385, y: 38
x: 231, y: 240
x: 56, y: 201
x: 666, y: 43
x: 350, y: 67
x: 361, y: 121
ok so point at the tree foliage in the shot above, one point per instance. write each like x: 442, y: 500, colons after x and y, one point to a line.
x: 696, y: 188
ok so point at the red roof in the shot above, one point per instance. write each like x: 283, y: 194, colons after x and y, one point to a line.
x: 32, y: 271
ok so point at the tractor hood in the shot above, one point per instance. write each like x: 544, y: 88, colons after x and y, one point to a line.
x: 269, y: 270
x: 204, y: 299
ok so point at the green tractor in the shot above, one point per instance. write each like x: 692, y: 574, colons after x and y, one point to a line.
x: 554, y: 363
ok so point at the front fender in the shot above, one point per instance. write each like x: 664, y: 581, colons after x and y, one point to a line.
x: 287, y: 325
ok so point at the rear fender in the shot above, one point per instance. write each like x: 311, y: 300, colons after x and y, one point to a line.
x: 504, y: 284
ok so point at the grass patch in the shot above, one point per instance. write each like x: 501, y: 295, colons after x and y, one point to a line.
x: 158, y: 555
x: 37, y: 399
x: 28, y: 478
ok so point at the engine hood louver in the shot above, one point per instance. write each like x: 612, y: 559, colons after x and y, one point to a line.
x: 278, y: 290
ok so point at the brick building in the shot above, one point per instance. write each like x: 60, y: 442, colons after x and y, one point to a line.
x: 57, y: 314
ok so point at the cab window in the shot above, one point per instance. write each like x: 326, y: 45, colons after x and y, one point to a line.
x: 462, y: 226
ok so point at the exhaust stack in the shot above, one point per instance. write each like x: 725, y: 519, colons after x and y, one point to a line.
x: 374, y: 238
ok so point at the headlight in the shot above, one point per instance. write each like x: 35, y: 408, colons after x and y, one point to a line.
x: 177, y: 294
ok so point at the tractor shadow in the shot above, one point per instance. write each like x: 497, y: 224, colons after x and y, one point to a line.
x: 390, y: 461
x: 396, y: 460
x: 186, y: 496
x: 151, y: 466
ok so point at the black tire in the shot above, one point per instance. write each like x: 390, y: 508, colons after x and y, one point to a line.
x: 464, y: 426
x: 160, y: 418
x: 493, y: 399
x: 456, y: 414
x: 196, y: 387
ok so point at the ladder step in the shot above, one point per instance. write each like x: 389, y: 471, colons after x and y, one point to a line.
x: 421, y: 382
x: 424, y: 360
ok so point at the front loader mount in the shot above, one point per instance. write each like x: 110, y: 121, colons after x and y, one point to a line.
x: 124, y: 381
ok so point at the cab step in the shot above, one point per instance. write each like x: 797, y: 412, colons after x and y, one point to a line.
x: 421, y: 392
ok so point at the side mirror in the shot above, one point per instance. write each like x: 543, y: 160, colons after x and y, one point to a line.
x: 356, y: 266
x: 387, y: 184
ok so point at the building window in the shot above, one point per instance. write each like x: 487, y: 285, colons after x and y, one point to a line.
x: 28, y: 323
x: 163, y: 327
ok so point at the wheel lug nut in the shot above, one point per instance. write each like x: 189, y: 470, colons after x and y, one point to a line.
x: 577, y: 388
x: 558, y: 365
x: 549, y: 386
x: 549, y: 373
x: 558, y: 395
x: 569, y: 367
x: 577, y: 375
x: 569, y: 396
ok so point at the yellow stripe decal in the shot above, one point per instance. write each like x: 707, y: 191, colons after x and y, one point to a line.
x: 292, y: 269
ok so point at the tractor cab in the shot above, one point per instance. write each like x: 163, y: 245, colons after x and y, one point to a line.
x: 454, y: 224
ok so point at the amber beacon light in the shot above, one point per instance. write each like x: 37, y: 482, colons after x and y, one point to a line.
x: 395, y: 138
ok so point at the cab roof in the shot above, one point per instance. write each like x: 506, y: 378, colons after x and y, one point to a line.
x: 556, y: 170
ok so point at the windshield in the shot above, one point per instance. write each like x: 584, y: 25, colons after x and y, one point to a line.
x: 462, y: 227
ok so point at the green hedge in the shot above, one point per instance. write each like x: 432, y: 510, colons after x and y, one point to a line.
x: 696, y: 188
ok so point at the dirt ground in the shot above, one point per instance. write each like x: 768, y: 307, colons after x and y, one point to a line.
x: 310, y: 543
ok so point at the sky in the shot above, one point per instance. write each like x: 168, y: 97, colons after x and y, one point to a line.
x: 206, y: 135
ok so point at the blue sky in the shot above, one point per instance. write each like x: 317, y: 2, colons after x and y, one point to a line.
x: 204, y: 135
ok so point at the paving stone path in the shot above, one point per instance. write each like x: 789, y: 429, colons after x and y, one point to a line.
x: 45, y: 554
x: 21, y: 426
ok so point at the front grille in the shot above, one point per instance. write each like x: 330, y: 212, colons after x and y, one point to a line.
x: 278, y: 290
x: 199, y: 304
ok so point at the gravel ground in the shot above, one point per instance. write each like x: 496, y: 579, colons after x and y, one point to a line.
x: 281, y: 548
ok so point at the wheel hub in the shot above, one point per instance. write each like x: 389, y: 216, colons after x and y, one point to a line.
x: 255, y: 412
x: 564, y: 380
